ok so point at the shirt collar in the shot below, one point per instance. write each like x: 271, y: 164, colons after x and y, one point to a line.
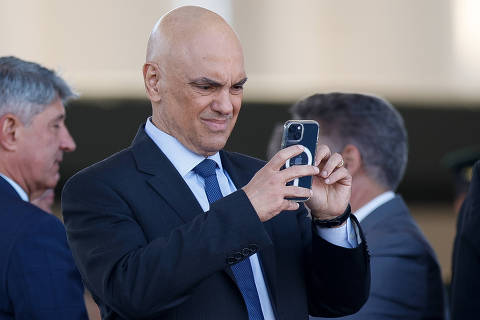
x: 182, y: 158
x: 373, y: 204
x: 17, y: 187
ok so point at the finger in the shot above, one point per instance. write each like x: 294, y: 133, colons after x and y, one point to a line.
x: 297, y: 192
x: 332, y: 163
x: 289, y: 205
x: 283, y: 155
x: 298, y: 171
x: 340, y: 175
x: 322, y: 152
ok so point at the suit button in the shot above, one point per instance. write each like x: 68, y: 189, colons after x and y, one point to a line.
x: 247, y: 252
x: 231, y: 260
x: 238, y: 256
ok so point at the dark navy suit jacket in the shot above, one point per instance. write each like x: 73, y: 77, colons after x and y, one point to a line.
x: 406, y: 278
x: 146, y: 249
x: 466, y: 255
x: 38, y: 278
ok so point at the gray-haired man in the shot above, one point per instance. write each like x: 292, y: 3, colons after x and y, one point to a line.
x: 38, y: 276
x: 370, y: 135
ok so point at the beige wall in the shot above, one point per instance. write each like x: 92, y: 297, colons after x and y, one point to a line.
x: 406, y: 50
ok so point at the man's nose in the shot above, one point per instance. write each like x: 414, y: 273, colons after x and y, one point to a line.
x: 223, y: 102
x: 67, y: 143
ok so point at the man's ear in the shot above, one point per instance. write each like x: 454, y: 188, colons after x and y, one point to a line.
x: 352, y: 158
x: 9, y: 131
x: 151, y: 78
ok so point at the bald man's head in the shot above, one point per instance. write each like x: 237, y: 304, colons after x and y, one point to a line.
x: 182, y: 25
x: 194, y: 76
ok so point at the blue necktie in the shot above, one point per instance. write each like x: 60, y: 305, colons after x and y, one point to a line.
x: 243, y: 270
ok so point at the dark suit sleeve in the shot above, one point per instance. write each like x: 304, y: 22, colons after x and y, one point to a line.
x: 143, y: 278
x: 339, y: 278
x: 466, y: 263
x: 42, y: 280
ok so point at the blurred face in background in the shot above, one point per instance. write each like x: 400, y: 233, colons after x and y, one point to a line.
x: 40, y: 149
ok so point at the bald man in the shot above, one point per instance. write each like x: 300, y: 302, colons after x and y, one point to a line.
x: 173, y: 227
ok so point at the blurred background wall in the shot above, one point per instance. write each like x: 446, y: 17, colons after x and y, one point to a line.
x: 422, y: 55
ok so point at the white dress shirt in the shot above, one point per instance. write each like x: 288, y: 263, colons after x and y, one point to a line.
x: 185, y: 161
x: 373, y: 204
x: 17, y: 187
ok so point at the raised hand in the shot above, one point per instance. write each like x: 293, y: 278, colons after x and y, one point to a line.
x: 331, y: 186
x: 267, y: 190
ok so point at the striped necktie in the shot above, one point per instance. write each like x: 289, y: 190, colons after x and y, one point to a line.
x: 243, y: 270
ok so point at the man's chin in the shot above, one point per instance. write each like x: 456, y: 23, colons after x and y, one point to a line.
x: 52, y: 182
x: 213, y: 147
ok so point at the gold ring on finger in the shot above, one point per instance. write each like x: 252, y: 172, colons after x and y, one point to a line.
x: 340, y: 164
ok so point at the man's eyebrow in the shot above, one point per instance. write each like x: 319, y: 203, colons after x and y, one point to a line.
x: 205, y: 80
x: 241, y: 82
x: 60, y: 117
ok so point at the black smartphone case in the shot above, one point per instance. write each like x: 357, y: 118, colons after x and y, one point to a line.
x: 309, y: 140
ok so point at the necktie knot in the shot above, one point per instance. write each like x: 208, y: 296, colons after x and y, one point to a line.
x: 206, y: 168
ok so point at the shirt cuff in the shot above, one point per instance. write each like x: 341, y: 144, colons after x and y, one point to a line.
x: 344, y: 236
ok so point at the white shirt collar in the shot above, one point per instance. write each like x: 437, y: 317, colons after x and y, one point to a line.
x: 17, y: 187
x: 182, y: 158
x: 373, y: 204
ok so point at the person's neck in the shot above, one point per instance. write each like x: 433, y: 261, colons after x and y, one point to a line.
x: 364, y: 189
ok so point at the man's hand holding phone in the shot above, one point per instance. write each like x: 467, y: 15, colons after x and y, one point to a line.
x: 331, y: 187
x: 268, y: 189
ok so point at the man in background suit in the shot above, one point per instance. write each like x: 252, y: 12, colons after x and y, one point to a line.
x: 460, y: 163
x: 466, y: 256
x: 370, y: 135
x: 174, y: 227
x: 38, y: 278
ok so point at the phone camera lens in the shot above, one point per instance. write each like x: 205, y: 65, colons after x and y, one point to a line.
x: 294, y: 132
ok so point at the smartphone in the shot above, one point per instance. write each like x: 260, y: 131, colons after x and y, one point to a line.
x: 304, y: 132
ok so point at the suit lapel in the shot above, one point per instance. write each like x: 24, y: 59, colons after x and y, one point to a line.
x: 240, y: 177
x: 165, y: 180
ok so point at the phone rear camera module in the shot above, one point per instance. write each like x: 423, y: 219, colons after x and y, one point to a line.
x: 295, y: 131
